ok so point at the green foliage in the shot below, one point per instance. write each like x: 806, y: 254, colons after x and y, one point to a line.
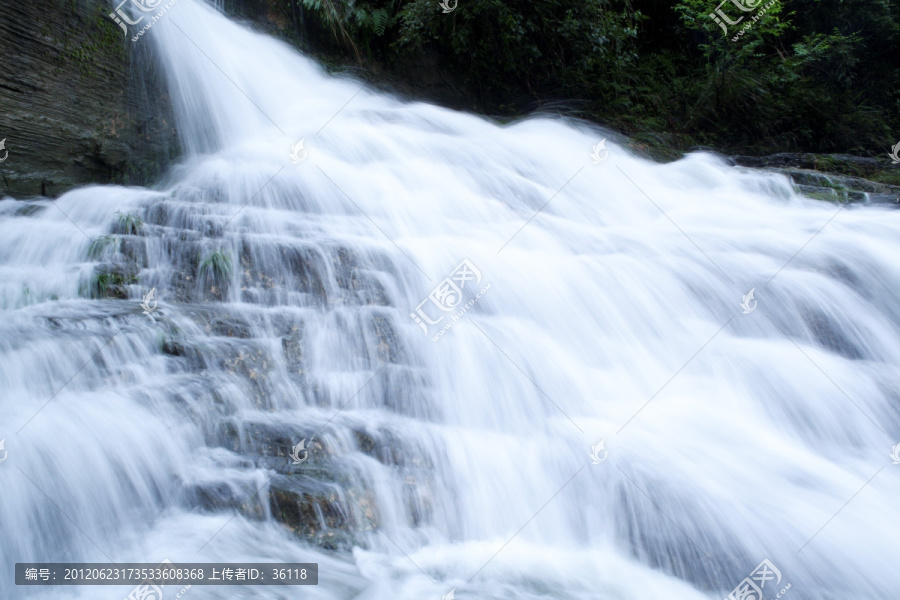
x: 216, y: 268
x: 782, y: 84
x: 355, y: 25
x: 128, y: 224
x: 375, y: 20
x: 334, y: 15
x: 99, y: 246
x: 890, y: 176
x: 112, y: 284
x: 561, y: 47
x: 810, y: 75
x: 734, y: 48
x: 93, y: 47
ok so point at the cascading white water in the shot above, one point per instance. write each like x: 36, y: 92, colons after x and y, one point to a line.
x: 464, y: 463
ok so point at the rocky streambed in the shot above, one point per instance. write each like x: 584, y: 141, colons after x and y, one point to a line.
x: 833, y: 177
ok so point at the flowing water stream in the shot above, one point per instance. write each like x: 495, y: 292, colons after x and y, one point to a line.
x: 611, y: 310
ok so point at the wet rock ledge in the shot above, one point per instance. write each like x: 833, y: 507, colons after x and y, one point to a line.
x: 81, y: 103
x: 834, y: 177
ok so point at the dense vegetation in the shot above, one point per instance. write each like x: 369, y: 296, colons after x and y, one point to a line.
x: 808, y: 75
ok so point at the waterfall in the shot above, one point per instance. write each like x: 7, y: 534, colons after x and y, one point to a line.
x: 603, y: 299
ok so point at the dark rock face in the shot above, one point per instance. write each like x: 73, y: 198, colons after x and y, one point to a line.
x: 831, y: 177
x: 837, y: 163
x: 81, y: 102
x: 855, y: 169
x: 841, y: 188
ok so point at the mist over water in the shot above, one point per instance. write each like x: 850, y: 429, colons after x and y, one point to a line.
x: 613, y: 313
